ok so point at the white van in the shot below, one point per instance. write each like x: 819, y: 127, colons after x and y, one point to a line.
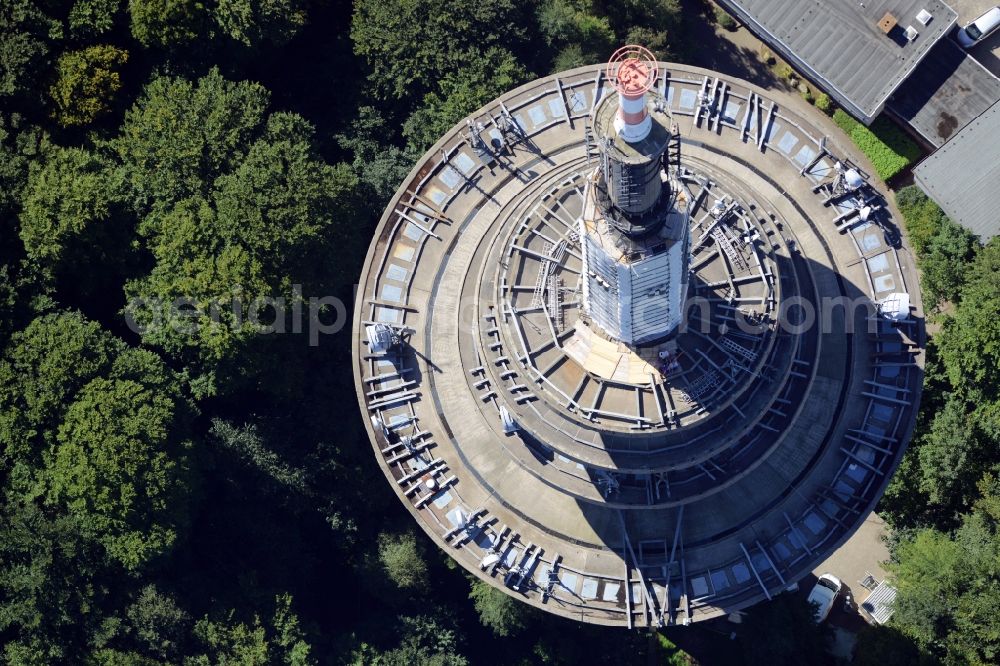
x: 980, y: 29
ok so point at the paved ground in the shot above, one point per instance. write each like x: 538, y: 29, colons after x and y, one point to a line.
x: 862, y: 554
x: 988, y: 53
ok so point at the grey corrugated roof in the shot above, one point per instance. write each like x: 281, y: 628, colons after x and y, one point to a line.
x: 947, y: 91
x: 963, y: 176
x: 838, y: 42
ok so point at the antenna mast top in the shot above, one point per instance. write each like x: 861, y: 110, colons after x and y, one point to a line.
x: 632, y: 69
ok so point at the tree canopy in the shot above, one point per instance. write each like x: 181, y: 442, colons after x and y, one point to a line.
x: 410, y: 45
x: 87, y: 82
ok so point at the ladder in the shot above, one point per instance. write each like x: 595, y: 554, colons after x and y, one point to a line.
x: 720, y: 237
x: 590, y: 142
x: 739, y: 349
x: 625, y: 188
x: 553, y: 254
x: 674, y: 149
x: 555, y: 303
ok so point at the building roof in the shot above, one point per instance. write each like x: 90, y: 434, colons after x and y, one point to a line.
x: 880, y: 603
x: 949, y: 89
x: 963, y: 176
x: 841, y: 46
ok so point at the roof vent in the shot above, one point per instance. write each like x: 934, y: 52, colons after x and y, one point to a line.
x: 924, y: 16
x: 887, y: 23
x: 911, y: 33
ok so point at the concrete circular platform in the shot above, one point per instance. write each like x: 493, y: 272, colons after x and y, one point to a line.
x: 634, y: 488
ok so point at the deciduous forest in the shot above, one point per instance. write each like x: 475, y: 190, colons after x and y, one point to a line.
x: 180, y: 492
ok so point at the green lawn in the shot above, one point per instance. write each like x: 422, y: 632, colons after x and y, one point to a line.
x: 885, y: 144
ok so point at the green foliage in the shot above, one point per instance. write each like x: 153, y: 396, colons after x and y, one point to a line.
x: 121, y: 466
x: 783, y: 71
x: 724, y: 20
x: 572, y: 23
x: 228, y: 641
x: 651, y: 23
x: 89, y: 18
x: 670, y: 654
x: 180, y: 136
x: 167, y: 24
x: 247, y: 443
x: 102, y: 439
x: 410, y: 45
x: 43, y: 369
x: 157, y: 624
x: 461, y: 93
x: 885, y: 144
x: 949, y: 586
x: 498, y: 611
x: 25, y: 32
x: 781, y: 632
x: 381, y: 168
x: 824, y: 103
x: 87, y: 83
x: 942, y: 265
x: 425, y: 640
x: 570, y: 57
x: 402, y: 560
x: 52, y: 584
x: 923, y: 217
x: 256, y: 22
x: 268, y: 225
x: 951, y: 456
x: 67, y: 195
x: 970, y: 340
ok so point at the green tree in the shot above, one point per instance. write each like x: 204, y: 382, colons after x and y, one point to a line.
x: 167, y: 24
x: 158, y: 625
x: 485, y: 77
x: 87, y: 81
x: 970, y: 340
x: 426, y: 640
x: 254, y: 22
x: 42, y: 370
x: 922, y: 217
x: 942, y: 264
x: 68, y: 196
x: 503, y: 614
x: 278, y: 220
x: 949, y: 585
x: 249, y: 446
x: 575, y: 28
x: 180, y: 136
x: 228, y: 641
x: 121, y: 466
x: 88, y: 18
x: 651, y: 23
x: 98, y: 431
x: 402, y: 560
x: 52, y: 585
x: 380, y: 165
x: 26, y: 33
x: 410, y: 44
x: 952, y: 458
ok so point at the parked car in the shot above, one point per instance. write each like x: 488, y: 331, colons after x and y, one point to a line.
x: 824, y: 594
x: 980, y: 29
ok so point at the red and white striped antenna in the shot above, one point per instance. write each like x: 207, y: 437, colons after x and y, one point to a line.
x: 632, y: 71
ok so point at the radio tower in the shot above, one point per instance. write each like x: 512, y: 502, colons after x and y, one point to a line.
x: 634, y: 229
